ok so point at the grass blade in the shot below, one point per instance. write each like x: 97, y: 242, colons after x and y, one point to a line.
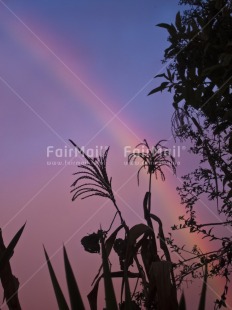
x: 74, y: 293
x: 92, y: 296
x: 62, y: 304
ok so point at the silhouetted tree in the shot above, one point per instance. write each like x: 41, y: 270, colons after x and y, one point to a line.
x: 199, y: 75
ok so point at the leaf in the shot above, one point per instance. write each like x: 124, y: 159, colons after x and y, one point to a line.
x: 62, y: 304
x: 159, y: 88
x: 171, y: 28
x: 92, y: 296
x: 10, y: 249
x: 161, y: 75
x: 163, y: 245
x: 134, y: 233
x: 74, y: 293
x: 194, y: 26
x: 178, y: 21
x: 146, y: 254
x: 164, y: 25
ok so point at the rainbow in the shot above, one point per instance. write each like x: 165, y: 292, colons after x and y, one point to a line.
x: 76, y: 86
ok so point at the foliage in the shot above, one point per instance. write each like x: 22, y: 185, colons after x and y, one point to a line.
x: 199, y: 59
x: 199, y: 75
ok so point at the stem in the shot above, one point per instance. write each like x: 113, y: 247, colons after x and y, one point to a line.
x: 118, y: 211
x: 121, y: 218
x: 198, y: 256
x: 213, y: 224
x: 147, y: 210
x: 112, y: 222
x: 149, y: 191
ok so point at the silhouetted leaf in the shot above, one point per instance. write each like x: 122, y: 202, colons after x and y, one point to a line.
x: 74, y: 293
x: 171, y: 29
x: 62, y: 304
x: 134, y: 233
x: 92, y: 296
x: 159, y: 88
x: 178, y: 21
x: 164, y: 25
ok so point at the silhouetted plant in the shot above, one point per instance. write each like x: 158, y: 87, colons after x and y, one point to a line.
x: 140, y: 238
x: 155, y: 273
x: 199, y: 67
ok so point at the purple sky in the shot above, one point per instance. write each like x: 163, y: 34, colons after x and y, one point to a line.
x: 80, y: 70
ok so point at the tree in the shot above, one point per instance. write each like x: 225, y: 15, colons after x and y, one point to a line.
x: 199, y: 75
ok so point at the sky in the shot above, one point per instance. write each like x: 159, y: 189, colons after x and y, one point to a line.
x: 79, y: 70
